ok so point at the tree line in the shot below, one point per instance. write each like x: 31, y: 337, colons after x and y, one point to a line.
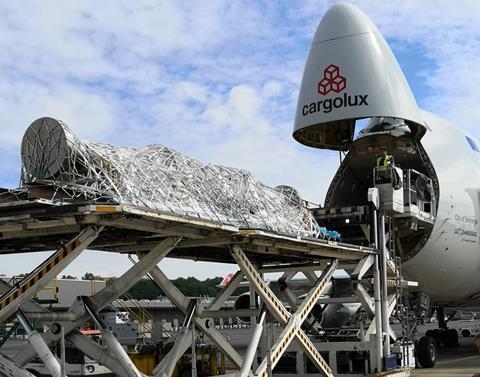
x: 192, y: 287
x: 147, y: 289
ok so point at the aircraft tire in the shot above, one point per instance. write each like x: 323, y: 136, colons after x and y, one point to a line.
x: 450, y: 338
x: 436, y: 334
x: 433, y: 333
x: 427, y: 352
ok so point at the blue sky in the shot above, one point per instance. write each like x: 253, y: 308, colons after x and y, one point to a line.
x: 216, y: 80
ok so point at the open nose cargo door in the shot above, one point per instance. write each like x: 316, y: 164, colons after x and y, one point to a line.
x: 350, y: 74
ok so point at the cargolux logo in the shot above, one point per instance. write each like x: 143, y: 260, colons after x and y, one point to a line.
x: 332, y: 81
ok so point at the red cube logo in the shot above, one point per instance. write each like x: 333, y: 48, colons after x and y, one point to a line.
x: 331, y: 81
x: 331, y: 72
x: 339, y: 83
x: 324, y: 86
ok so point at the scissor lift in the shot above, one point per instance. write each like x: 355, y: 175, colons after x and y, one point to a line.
x: 69, y: 228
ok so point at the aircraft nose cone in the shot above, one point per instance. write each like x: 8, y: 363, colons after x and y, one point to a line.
x: 343, y: 20
x: 350, y: 74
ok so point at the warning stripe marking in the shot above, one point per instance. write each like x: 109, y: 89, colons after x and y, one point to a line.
x: 30, y: 280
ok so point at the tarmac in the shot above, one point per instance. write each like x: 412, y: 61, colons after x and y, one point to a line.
x: 461, y: 361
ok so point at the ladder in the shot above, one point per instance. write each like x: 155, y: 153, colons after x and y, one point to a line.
x: 138, y: 314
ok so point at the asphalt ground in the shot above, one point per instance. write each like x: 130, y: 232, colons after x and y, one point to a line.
x: 461, y: 361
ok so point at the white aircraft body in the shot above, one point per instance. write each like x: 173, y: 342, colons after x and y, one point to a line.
x: 447, y: 266
x: 352, y: 74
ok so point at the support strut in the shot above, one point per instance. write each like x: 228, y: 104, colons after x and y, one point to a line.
x: 112, y: 342
x: 11, y: 301
x: 106, y: 295
x: 43, y: 352
x: 182, y: 342
x: 204, y: 324
x: 292, y: 323
x: 252, y: 347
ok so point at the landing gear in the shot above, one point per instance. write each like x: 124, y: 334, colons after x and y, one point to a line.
x: 427, y: 352
x: 436, y: 335
x: 446, y: 338
x: 450, y: 338
x: 427, y: 346
x: 443, y: 335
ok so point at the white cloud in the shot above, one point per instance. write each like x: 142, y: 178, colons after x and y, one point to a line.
x: 86, y: 112
x: 272, y: 89
x: 215, y: 80
x: 253, y: 141
x: 239, y: 112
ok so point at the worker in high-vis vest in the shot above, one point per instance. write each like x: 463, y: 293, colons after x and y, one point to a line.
x: 388, y: 162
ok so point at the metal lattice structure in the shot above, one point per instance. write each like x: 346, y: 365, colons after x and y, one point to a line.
x: 157, y: 178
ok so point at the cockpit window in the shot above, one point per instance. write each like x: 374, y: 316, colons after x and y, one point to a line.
x: 472, y: 143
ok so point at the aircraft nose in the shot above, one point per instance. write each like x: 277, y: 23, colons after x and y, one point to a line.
x: 350, y: 74
x: 343, y: 20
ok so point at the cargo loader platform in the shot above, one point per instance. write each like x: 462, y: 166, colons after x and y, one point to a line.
x: 41, y: 225
x: 69, y: 228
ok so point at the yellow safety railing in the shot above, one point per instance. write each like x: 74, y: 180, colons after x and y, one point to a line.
x: 27, y: 282
x: 141, y: 315
x: 54, y: 288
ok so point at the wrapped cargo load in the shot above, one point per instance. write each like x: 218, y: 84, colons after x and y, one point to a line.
x: 157, y: 178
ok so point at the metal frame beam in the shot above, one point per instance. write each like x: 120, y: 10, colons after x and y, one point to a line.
x: 226, y: 291
x: 292, y: 323
x: 106, y: 295
x: 10, y: 369
x: 96, y: 352
x: 112, y: 342
x: 204, y: 324
x: 42, y: 350
x: 181, y: 345
x: 11, y: 301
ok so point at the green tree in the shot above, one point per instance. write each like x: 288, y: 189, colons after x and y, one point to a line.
x: 145, y: 289
x: 192, y: 287
x: 88, y: 276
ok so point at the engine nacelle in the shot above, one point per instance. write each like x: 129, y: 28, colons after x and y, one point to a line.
x: 242, y: 302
